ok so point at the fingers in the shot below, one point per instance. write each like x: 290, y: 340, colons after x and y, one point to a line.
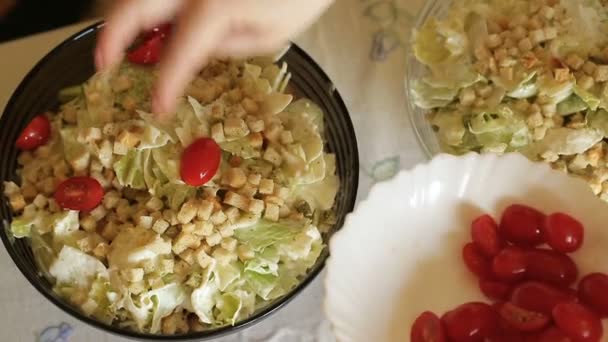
x: 199, y: 29
x: 247, y: 44
x: 126, y: 20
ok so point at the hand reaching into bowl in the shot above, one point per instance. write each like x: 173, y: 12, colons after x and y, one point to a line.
x: 204, y: 29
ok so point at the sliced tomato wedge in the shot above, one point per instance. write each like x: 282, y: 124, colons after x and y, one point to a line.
x: 35, y: 134
x: 79, y: 193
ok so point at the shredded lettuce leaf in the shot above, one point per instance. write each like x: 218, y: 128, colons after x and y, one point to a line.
x: 76, y: 268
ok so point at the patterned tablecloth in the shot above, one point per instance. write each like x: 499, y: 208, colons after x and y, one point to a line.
x: 361, y: 45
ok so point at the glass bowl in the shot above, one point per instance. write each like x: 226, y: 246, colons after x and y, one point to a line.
x: 72, y: 63
x: 425, y: 135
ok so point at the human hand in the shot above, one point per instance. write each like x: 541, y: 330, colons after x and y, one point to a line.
x: 203, y: 29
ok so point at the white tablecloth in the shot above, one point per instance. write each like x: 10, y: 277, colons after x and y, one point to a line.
x: 361, y: 45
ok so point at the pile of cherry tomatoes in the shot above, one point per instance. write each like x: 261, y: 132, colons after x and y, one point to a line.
x: 531, y: 287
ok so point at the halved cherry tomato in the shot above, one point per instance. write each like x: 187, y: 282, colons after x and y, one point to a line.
x: 475, y: 261
x: 495, y: 290
x: 510, y: 264
x: 521, y: 319
x: 35, y: 134
x: 522, y: 225
x: 148, y: 52
x: 79, y: 193
x: 551, y: 267
x: 471, y: 322
x: 553, y: 334
x: 593, y: 291
x: 578, y: 322
x: 200, y: 161
x: 563, y: 232
x: 539, y: 297
x: 427, y: 328
x: 484, y: 232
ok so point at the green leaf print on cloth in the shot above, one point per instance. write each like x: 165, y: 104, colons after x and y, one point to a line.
x: 393, y: 25
x: 384, y: 169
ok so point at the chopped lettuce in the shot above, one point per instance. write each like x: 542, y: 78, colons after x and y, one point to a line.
x: 225, y: 274
x: 64, y: 223
x: 265, y: 262
x: 305, y: 133
x: 321, y: 195
x: 76, y: 268
x: 135, y: 245
x: 433, y: 46
x: 203, y: 298
x: 68, y: 94
x: 526, y: 88
x: 21, y: 227
x: 588, y: 97
x: 567, y: 141
x: 129, y: 170
x: 450, y: 126
x: 557, y: 91
x: 598, y: 120
x: 240, y: 147
x: 314, y: 112
x: 165, y: 300
x: 100, y: 99
x: 426, y: 96
x: 267, y: 233
x: 153, y: 138
x: 571, y: 105
x: 175, y: 194
x: 229, y: 306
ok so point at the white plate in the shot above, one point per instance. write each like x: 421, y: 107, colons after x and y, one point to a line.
x: 399, y: 253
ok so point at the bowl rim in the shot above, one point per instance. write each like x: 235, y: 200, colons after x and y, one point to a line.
x: 410, y: 60
x: 258, y: 316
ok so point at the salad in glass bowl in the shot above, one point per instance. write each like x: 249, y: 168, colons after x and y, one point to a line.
x: 518, y: 75
x: 179, y: 225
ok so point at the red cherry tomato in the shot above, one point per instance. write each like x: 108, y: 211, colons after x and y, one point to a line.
x: 553, y: 334
x: 427, y: 328
x: 484, y: 232
x: 563, y: 232
x: 148, y: 52
x: 550, y: 267
x: 510, y: 337
x: 162, y: 30
x: 510, y: 264
x: 495, y: 290
x: 522, y: 225
x: 79, y: 193
x: 593, y: 291
x: 35, y: 134
x: 522, y: 319
x: 200, y: 162
x: 539, y: 297
x: 475, y: 261
x: 471, y: 322
x: 578, y: 322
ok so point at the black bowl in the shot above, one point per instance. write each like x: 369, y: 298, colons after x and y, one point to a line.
x: 71, y: 63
